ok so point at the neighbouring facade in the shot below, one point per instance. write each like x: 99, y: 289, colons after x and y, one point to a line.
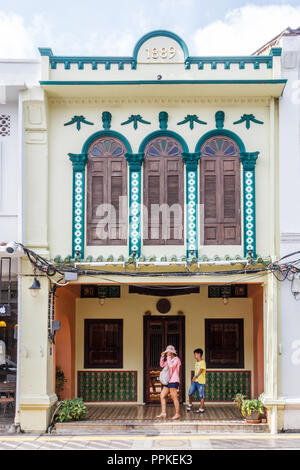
x: 152, y: 192
x: 15, y: 77
x: 289, y: 138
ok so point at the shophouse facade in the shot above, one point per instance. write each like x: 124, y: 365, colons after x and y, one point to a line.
x: 152, y: 188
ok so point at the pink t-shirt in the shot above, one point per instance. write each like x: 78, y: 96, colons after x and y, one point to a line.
x: 174, y: 365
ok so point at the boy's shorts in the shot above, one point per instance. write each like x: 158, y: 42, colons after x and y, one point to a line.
x: 196, y: 386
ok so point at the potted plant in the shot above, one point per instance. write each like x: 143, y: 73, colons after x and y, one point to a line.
x: 238, y: 400
x: 252, y: 410
x: 71, y: 410
x: 60, y: 381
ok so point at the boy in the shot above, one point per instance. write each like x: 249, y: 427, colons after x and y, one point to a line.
x: 198, y: 381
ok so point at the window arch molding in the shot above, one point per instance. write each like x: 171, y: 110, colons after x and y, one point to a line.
x: 248, y: 161
x: 221, y: 132
x: 163, y: 133
x: 105, y: 133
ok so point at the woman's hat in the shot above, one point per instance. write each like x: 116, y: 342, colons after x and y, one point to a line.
x: 170, y: 349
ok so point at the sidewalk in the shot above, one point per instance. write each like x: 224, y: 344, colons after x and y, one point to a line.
x: 142, y: 442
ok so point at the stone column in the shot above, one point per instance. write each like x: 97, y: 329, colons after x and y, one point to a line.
x: 191, y: 229
x: 78, y: 220
x: 248, y: 160
x: 135, y: 161
x: 37, y: 389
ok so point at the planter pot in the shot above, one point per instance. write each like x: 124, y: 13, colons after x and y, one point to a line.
x: 253, y: 418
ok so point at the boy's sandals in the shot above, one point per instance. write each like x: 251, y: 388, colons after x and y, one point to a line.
x: 189, y: 407
x: 201, y: 410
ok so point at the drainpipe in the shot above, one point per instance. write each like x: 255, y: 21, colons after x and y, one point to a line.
x: 21, y: 238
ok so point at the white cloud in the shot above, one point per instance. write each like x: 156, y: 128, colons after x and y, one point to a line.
x: 245, y: 29
x: 15, y: 40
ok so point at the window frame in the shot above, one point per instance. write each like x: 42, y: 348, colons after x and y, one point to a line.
x: 163, y: 190
x: 219, y: 222
x: 106, y: 174
x: 226, y: 365
x: 100, y: 365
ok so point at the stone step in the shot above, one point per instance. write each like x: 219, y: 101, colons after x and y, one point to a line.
x: 151, y: 428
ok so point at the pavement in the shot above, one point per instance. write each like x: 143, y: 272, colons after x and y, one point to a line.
x: 151, y: 443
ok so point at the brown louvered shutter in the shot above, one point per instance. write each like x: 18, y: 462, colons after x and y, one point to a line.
x: 163, y: 188
x: 220, y: 191
x: 106, y: 184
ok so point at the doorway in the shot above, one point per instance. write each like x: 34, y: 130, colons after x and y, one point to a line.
x: 159, y: 332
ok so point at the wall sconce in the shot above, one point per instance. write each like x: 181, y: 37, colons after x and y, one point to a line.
x: 35, y: 287
x: 225, y: 300
x: 101, y: 300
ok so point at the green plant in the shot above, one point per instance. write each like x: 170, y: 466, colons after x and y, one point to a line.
x: 250, y: 406
x: 60, y: 379
x: 71, y: 410
x: 238, y: 400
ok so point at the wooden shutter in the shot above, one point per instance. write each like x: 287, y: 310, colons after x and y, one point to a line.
x: 106, y: 183
x: 163, y: 187
x: 220, y: 191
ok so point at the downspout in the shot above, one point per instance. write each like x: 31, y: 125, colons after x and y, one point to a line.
x: 21, y: 238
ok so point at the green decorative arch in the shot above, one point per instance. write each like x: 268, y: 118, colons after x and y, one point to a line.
x: 105, y: 133
x: 160, y: 32
x: 215, y: 132
x: 162, y: 133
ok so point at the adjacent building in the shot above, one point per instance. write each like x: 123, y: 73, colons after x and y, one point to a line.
x: 289, y: 171
x: 15, y: 77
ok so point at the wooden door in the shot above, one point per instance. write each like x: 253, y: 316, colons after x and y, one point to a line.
x: 159, y: 332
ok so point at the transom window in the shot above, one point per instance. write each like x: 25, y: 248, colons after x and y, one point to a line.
x: 163, y: 192
x: 220, y: 191
x: 107, y: 192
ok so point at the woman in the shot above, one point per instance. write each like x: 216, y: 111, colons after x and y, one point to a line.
x: 169, y: 358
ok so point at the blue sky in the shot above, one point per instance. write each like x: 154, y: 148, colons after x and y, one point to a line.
x: 111, y: 27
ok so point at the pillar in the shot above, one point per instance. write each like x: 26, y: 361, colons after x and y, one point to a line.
x: 248, y: 160
x: 191, y: 168
x: 135, y: 161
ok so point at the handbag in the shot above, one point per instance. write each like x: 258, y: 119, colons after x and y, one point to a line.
x: 164, y: 376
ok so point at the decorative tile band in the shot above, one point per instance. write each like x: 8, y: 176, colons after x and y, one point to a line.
x: 248, y: 160
x: 107, y: 386
x: 191, y: 165
x: 78, y: 161
x: 224, y: 385
x: 135, y: 161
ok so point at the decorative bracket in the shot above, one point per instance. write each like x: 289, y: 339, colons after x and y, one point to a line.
x: 219, y: 117
x: 191, y: 118
x: 135, y: 118
x: 106, y: 120
x: 248, y: 118
x: 79, y: 120
x: 163, y: 120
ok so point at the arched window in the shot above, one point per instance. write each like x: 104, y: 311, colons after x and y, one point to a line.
x: 163, y: 192
x: 107, y: 192
x: 220, y: 191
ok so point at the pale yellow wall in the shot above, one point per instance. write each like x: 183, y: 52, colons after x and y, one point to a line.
x: 131, y: 308
x: 63, y: 140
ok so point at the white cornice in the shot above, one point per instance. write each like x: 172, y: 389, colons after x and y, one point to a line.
x: 162, y: 100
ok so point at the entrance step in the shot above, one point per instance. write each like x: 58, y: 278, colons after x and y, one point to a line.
x: 204, y: 427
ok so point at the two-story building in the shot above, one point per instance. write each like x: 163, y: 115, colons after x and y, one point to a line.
x: 152, y: 219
